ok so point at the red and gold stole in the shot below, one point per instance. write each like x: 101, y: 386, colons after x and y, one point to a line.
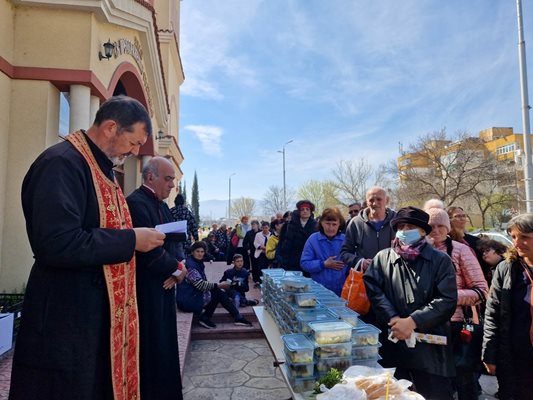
x: 120, y: 281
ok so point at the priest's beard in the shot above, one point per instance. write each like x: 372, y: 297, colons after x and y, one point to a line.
x: 118, y: 161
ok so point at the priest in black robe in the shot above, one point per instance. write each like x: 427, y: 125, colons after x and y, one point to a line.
x: 157, y: 273
x: 63, y: 348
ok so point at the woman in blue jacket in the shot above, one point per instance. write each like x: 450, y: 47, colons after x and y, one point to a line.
x: 321, y: 254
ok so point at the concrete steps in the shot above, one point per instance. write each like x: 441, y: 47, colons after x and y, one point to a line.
x: 225, y: 327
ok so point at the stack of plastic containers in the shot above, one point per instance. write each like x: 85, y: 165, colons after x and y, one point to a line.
x: 333, y: 345
x: 300, y: 362
x: 365, y: 349
x: 320, y: 332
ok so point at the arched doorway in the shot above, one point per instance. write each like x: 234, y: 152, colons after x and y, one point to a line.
x: 127, y: 81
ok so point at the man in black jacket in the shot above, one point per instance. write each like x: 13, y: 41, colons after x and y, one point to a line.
x: 157, y: 273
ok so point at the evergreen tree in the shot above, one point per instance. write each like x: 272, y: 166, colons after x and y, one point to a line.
x: 184, y: 193
x: 180, y: 189
x: 195, y: 201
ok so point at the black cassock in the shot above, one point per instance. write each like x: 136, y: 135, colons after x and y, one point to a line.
x: 159, y: 356
x: 62, y: 349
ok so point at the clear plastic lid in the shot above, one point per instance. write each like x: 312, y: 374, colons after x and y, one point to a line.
x: 295, y: 284
x: 315, y: 315
x: 319, y: 327
x: 344, y: 311
x: 297, y: 342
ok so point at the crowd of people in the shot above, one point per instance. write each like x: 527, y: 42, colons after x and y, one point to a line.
x: 99, y: 313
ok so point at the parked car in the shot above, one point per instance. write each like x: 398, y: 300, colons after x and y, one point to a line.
x: 499, y: 236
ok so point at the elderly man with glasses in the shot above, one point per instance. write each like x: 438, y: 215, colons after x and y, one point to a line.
x: 353, y: 210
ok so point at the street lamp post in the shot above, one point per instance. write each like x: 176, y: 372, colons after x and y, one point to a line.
x: 284, y: 184
x: 229, y: 198
x: 528, y: 167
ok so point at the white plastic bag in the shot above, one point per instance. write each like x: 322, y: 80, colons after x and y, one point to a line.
x: 342, y: 391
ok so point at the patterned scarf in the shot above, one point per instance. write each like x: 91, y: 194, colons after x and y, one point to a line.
x: 408, y: 252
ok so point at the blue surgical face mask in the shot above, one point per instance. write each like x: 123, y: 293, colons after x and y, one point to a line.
x: 408, y: 237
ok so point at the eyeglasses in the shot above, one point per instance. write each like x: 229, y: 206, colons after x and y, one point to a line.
x: 460, y: 216
x: 353, y: 212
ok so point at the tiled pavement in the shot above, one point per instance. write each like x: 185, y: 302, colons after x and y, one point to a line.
x: 232, y: 370
x: 228, y: 370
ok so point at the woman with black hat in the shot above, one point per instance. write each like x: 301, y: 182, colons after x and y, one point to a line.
x: 412, y: 290
x: 295, y: 233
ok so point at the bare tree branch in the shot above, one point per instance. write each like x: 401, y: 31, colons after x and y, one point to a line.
x: 242, y: 206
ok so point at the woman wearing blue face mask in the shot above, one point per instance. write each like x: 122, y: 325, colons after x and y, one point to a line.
x: 412, y: 290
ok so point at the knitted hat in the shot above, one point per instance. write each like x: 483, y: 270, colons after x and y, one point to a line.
x: 413, y: 216
x: 437, y: 216
x: 305, y: 203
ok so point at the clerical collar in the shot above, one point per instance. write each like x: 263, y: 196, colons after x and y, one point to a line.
x: 105, y: 164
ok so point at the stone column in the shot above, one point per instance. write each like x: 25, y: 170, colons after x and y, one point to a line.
x: 80, y: 107
x: 95, y: 105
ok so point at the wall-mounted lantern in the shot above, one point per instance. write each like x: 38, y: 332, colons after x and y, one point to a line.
x: 108, y: 50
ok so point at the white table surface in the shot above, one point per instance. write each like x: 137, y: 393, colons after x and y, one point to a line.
x: 273, y: 337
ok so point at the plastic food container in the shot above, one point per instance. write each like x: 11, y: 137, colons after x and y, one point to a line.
x: 365, y: 352
x: 325, y: 364
x: 298, y: 348
x: 333, y: 303
x: 365, y: 335
x: 302, y: 384
x: 289, y: 297
x: 292, y: 273
x: 301, y: 370
x: 331, y: 332
x: 313, y: 315
x: 305, y: 299
x: 294, y: 310
x: 346, y: 314
x: 334, y: 350
x: 295, y: 284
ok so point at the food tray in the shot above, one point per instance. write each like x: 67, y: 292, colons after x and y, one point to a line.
x: 365, y: 335
x: 365, y: 352
x: 295, y: 284
x: 303, y: 370
x: 333, y: 350
x: 302, y: 384
x: 346, y: 314
x: 307, y: 300
x: 325, y: 364
x: 298, y: 348
x: 331, y: 332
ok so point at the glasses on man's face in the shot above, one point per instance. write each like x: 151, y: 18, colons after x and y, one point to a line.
x: 353, y: 212
x: 460, y: 216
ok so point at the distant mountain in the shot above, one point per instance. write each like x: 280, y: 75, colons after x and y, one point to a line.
x: 213, y: 209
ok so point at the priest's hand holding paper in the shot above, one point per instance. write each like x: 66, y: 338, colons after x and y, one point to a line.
x: 147, y: 239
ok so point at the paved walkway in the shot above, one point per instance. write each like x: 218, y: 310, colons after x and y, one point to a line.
x: 227, y: 370
x: 232, y: 370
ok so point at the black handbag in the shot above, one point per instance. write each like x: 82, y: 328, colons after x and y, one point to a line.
x: 468, y: 349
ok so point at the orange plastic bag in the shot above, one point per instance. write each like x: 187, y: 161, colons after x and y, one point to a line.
x: 354, y: 291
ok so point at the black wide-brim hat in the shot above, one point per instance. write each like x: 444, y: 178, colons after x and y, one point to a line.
x: 411, y: 215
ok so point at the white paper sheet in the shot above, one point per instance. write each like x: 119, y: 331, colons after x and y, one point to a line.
x: 173, y: 227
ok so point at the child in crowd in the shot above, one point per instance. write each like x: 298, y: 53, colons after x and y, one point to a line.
x: 238, y: 278
x: 213, y: 251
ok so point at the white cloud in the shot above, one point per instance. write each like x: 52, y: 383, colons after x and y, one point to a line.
x: 208, y: 33
x: 209, y: 137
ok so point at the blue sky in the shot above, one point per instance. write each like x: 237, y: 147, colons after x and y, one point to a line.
x: 344, y: 79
